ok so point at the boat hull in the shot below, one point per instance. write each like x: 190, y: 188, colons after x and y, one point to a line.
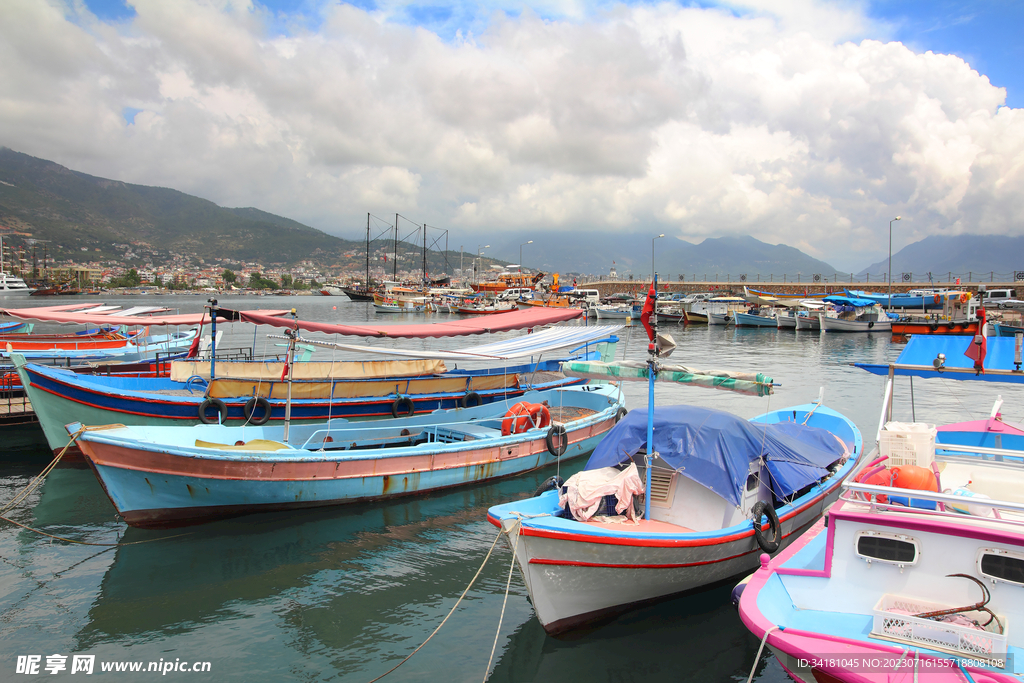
x: 840, y: 325
x: 808, y: 322
x: 160, y: 485
x: 935, y: 327
x: 751, y: 320
x: 610, y: 579
x: 696, y: 318
x: 60, y: 398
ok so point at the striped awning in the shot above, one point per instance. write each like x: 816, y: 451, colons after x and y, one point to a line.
x: 536, y: 344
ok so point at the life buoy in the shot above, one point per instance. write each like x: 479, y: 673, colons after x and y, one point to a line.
x: 222, y: 411
x: 619, y: 414
x: 937, y: 298
x: 249, y: 410
x: 523, y: 416
x: 964, y: 297
x: 471, y: 400
x: 516, y: 420
x: 557, y: 432
x: 402, y: 407
x: 769, y: 545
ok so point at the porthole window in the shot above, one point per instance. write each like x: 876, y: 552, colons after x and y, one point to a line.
x: 896, y: 549
x: 1001, y: 565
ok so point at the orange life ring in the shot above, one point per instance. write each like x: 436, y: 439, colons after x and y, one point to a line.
x: 523, y: 416
x: 964, y: 297
x: 937, y: 298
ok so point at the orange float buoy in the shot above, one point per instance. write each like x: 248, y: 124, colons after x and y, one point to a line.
x: 914, y: 477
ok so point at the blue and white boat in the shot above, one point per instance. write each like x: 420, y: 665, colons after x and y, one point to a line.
x: 168, y: 476
x: 711, y: 478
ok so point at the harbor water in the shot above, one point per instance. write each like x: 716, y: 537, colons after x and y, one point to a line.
x: 345, y: 593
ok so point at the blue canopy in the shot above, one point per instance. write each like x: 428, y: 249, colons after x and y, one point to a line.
x: 922, y: 349
x: 848, y: 300
x: 715, y: 448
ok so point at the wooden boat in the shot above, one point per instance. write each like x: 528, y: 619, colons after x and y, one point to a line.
x: 487, y: 309
x: 758, y: 317
x: 509, y: 280
x: 917, y: 573
x: 754, y: 295
x: 854, y: 315
x: 713, y: 473
x: 958, y: 315
x: 1004, y: 330
x: 695, y: 317
x: 917, y: 299
x: 166, y: 476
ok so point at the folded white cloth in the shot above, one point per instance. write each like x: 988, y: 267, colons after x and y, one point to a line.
x: 584, y: 491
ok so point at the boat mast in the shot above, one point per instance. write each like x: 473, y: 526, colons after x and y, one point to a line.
x: 652, y: 371
x: 424, y: 255
x: 394, y: 261
x: 367, y: 283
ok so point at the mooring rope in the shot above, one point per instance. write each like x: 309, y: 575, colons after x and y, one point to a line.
x: 34, y: 484
x: 452, y: 611
x: 760, y: 649
x: 517, y: 526
x: 38, y: 480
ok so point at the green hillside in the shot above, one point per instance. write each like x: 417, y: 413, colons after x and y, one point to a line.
x: 72, y: 211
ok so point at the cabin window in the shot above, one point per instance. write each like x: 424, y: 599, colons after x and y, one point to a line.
x: 1001, y: 565
x: 875, y: 546
x: 752, y: 482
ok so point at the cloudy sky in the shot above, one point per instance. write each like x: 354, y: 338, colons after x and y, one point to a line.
x: 799, y: 122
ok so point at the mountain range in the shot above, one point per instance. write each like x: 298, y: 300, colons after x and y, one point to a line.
x: 70, y: 212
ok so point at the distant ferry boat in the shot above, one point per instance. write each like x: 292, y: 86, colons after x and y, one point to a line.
x: 10, y: 285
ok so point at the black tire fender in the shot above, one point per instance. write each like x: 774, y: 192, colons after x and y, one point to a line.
x: 250, y: 408
x: 871, y: 323
x: 557, y: 435
x: 550, y: 484
x: 222, y: 411
x: 471, y: 400
x: 768, y: 545
x: 403, y: 407
x: 619, y: 414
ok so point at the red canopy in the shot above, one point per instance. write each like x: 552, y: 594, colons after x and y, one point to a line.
x: 482, y: 324
x: 61, y: 314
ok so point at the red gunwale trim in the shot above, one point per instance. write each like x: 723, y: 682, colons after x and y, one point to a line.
x: 656, y: 542
x: 601, y: 565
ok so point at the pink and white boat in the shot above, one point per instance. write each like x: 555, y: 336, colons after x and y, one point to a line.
x: 913, y: 584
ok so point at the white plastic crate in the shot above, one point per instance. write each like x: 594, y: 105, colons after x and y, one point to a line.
x: 963, y: 640
x: 908, y: 443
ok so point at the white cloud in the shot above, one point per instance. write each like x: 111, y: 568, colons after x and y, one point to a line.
x: 783, y: 122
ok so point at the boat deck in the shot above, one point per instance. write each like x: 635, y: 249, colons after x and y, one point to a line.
x: 646, y: 526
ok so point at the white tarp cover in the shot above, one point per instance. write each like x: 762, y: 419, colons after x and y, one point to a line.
x: 584, y: 491
x: 521, y: 347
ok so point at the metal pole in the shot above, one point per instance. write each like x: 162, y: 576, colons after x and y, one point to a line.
x: 367, y: 283
x: 291, y: 334
x: 213, y: 336
x: 651, y: 373
x: 889, y: 276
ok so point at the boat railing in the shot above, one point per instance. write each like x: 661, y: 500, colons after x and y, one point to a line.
x: 477, y: 429
x: 945, y: 504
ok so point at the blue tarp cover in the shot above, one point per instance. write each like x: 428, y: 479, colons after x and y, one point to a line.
x: 715, y: 448
x: 922, y: 349
x: 848, y: 300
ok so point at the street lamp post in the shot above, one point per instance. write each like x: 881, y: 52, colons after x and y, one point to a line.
x: 479, y: 247
x: 652, y: 253
x: 889, y: 277
x: 521, y: 254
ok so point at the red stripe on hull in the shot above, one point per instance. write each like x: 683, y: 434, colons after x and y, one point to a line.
x: 266, y: 469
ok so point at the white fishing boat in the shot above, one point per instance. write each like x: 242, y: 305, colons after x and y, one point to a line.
x: 854, y: 315
x: 586, y: 551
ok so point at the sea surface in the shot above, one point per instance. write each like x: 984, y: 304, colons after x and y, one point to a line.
x: 345, y: 593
